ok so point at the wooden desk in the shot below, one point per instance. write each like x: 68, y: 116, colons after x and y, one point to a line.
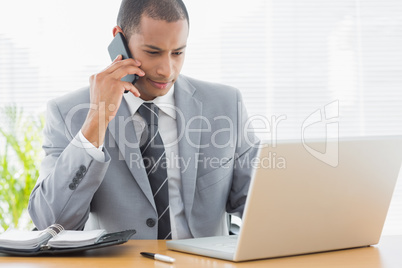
x: 387, y: 254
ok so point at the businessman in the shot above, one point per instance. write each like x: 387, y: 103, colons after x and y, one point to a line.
x: 170, y: 158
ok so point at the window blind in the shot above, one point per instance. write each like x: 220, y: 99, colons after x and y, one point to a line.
x: 289, y: 58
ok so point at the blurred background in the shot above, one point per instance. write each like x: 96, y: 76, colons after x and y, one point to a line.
x: 289, y: 58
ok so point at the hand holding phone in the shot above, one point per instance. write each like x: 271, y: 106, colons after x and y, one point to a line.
x: 106, y: 89
x: 119, y: 46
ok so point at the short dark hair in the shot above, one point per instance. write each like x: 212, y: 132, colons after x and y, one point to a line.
x: 131, y: 11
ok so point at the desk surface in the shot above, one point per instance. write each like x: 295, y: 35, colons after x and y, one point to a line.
x: 388, y: 254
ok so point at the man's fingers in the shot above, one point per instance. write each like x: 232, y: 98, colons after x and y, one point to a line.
x: 127, y: 86
x: 119, y: 63
x: 118, y: 58
x: 125, y: 70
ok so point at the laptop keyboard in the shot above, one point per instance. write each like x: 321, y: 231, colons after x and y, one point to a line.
x: 228, y: 246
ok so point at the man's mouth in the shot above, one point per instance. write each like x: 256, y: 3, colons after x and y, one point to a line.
x: 160, y: 84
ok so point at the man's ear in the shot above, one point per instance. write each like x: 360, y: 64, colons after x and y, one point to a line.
x: 117, y: 29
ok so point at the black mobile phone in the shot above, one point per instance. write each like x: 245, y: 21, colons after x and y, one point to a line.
x: 119, y: 46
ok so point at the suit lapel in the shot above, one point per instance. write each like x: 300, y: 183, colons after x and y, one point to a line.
x: 188, y: 112
x: 121, y: 128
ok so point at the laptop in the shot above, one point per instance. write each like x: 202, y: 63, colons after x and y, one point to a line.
x: 303, y: 200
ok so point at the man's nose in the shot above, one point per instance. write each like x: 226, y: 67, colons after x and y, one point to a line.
x: 165, y: 67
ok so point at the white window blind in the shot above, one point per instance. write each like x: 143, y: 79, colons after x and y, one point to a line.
x: 292, y: 57
x: 288, y: 57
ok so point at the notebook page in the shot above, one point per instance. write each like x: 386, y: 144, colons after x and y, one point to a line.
x: 22, y: 239
x: 68, y: 238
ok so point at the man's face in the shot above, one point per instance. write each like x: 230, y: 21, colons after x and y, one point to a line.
x: 160, y: 47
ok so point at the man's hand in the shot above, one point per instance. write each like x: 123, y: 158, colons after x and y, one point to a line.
x: 106, y: 93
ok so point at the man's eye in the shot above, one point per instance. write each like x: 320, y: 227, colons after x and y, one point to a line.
x: 177, y: 53
x: 152, y: 52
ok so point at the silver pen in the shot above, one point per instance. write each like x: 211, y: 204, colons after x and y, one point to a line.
x: 158, y: 257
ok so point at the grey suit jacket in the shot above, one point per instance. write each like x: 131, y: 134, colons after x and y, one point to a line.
x: 79, y: 192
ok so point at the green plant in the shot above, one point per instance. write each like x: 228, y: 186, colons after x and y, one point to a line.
x: 20, y: 156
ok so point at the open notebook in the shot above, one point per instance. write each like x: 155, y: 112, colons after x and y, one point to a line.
x: 55, y: 239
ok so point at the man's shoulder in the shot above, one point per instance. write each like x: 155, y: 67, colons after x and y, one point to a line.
x: 204, y: 85
x: 207, y: 89
x: 72, y: 99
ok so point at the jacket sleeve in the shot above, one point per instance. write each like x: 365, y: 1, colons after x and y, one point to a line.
x: 68, y: 178
x: 247, y: 148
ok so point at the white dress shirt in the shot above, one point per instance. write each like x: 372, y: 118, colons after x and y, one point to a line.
x: 168, y: 131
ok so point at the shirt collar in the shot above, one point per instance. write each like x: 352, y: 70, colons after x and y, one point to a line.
x: 166, y: 103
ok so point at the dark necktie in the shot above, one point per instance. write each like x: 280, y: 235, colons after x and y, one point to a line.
x: 154, y: 157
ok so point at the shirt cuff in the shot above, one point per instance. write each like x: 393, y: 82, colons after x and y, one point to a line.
x: 96, y: 153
